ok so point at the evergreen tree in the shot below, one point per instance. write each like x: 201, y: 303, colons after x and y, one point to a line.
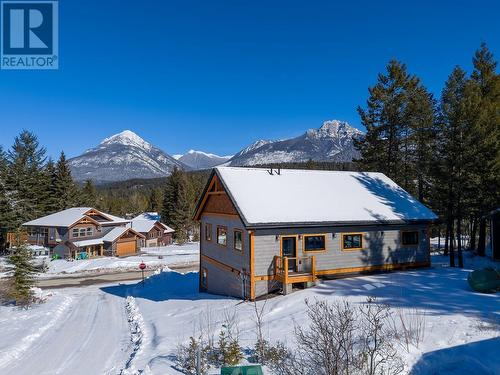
x: 176, y: 209
x: 22, y: 278
x: 391, y: 111
x: 88, y: 194
x: 49, y: 180
x: 485, y: 83
x: 6, y: 214
x: 25, y: 162
x: 66, y: 190
x: 155, y: 203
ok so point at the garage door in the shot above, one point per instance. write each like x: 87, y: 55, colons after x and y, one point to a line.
x: 125, y: 248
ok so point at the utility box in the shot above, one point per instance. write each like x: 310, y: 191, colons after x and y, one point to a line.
x: 242, y: 370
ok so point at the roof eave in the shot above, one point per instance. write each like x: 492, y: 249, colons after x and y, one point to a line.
x: 338, y: 223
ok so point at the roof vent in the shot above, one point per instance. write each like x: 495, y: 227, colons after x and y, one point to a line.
x: 272, y: 171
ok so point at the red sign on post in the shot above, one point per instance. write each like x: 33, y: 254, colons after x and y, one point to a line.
x: 142, y: 266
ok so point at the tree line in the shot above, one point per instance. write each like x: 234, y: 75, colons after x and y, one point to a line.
x: 445, y: 151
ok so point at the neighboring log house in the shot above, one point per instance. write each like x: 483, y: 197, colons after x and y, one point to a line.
x: 264, y: 230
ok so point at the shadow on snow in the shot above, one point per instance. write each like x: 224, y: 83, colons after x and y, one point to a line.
x: 168, y: 285
x: 478, y: 358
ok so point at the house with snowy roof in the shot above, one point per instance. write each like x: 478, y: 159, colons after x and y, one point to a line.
x: 84, y: 232
x: 264, y: 230
x: 155, y: 232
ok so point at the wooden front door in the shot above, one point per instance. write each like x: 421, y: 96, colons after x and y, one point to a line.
x: 289, y: 249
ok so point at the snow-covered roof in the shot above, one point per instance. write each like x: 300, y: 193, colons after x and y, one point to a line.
x: 145, y: 222
x: 311, y: 197
x: 113, y: 234
x: 94, y: 241
x: 70, y: 216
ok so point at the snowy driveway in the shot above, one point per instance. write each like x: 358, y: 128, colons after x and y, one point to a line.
x: 80, y: 331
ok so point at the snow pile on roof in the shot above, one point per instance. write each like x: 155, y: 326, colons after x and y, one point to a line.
x: 144, y: 222
x: 70, y: 216
x: 113, y: 234
x: 62, y: 218
x: 91, y: 242
x: 316, y: 197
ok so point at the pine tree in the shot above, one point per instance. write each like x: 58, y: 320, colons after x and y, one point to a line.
x: 66, y: 190
x: 486, y: 130
x: 387, y: 146
x: 88, y: 194
x: 155, y: 203
x: 22, y: 278
x: 176, y: 208
x: 25, y: 161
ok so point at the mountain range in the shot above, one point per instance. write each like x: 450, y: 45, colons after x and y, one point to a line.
x: 126, y: 155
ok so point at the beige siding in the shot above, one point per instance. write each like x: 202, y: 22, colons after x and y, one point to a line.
x: 225, y: 282
x: 381, y: 245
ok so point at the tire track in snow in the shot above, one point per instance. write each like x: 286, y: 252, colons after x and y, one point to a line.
x: 18, y: 350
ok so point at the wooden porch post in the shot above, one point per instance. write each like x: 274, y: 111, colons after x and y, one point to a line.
x: 101, y: 250
x: 313, y: 267
x: 285, y: 266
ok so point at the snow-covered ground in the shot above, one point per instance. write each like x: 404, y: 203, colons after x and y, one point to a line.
x: 153, y: 257
x: 137, y: 328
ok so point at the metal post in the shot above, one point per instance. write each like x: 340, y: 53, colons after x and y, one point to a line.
x: 142, y: 271
x: 198, y: 360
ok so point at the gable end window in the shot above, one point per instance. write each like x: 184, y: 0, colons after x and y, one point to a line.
x: 352, y: 241
x: 238, y: 240
x: 409, y: 238
x: 75, y: 232
x: 222, y: 236
x: 208, y: 232
x: 316, y: 242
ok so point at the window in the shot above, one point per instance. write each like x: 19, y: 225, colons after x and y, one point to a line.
x: 315, y: 242
x: 352, y: 241
x: 82, y: 232
x: 89, y: 231
x: 409, y: 238
x: 75, y: 232
x: 204, y: 277
x: 208, y: 232
x: 222, y: 236
x: 238, y: 240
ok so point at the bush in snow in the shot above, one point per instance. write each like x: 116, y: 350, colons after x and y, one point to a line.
x: 228, y: 351
x: 22, y: 277
x: 408, y: 327
x: 190, y: 357
x: 340, y: 339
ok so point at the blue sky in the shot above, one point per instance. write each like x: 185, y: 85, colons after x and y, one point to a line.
x: 217, y: 75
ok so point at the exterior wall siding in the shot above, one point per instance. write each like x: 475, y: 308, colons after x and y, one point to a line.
x: 230, y: 283
x: 381, y: 245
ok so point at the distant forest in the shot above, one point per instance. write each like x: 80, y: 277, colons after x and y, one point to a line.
x: 445, y: 151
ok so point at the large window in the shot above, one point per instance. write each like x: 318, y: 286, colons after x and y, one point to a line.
x: 238, y: 240
x: 208, y: 232
x: 222, y: 236
x: 352, y: 241
x: 82, y: 232
x: 409, y: 238
x: 75, y: 232
x: 316, y: 242
x: 89, y: 231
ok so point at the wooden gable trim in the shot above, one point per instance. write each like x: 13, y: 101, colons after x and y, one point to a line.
x: 137, y: 234
x: 84, y: 220
x: 97, y: 212
x: 216, y: 196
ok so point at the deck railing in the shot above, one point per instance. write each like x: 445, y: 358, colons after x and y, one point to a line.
x: 295, y: 269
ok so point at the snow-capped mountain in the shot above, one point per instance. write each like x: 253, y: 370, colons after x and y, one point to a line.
x: 122, y: 157
x: 333, y: 141
x: 201, y: 160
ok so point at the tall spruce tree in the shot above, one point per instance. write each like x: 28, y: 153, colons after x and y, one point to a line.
x: 66, y: 191
x: 176, y: 209
x: 88, y: 195
x: 155, y: 200
x: 6, y: 214
x: 52, y: 201
x: 485, y: 83
x: 25, y: 161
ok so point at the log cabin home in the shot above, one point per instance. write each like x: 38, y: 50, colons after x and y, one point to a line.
x: 155, y: 232
x: 84, y: 232
x: 265, y: 230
